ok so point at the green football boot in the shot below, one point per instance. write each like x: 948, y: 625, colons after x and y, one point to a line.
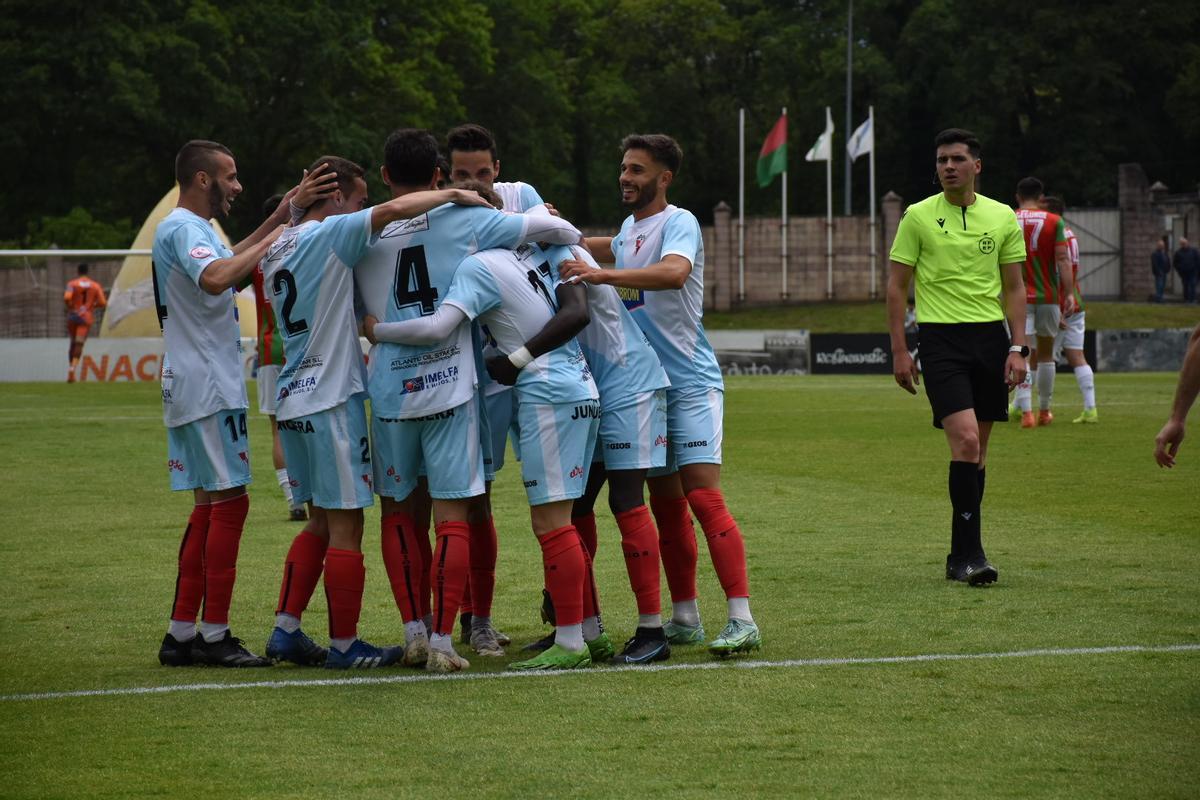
x: 738, y: 636
x: 678, y: 633
x: 601, y: 648
x: 1089, y: 416
x: 557, y: 657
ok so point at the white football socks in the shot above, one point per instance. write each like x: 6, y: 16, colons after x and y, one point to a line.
x: 569, y: 637
x: 685, y: 612
x: 212, y: 631
x: 341, y: 644
x: 591, y: 628
x: 1087, y: 386
x: 285, y: 484
x: 1045, y: 384
x: 739, y: 608
x: 649, y: 620
x: 287, y: 622
x: 442, y: 641
x: 182, y: 631
x: 414, y: 630
x: 1024, y: 397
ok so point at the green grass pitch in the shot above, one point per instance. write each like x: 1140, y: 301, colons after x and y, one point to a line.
x: 839, y: 485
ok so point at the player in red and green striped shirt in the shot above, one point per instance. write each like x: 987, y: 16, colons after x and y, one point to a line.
x: 1048, y: 280
x: 1070, y: 338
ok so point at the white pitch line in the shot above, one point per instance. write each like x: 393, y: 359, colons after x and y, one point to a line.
x: 482, y: 676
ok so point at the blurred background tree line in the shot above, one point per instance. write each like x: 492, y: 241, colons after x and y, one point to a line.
x: 97, y: 97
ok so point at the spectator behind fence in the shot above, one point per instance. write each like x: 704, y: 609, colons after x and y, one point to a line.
x: 1160, y: 265
x: 1187, y: 264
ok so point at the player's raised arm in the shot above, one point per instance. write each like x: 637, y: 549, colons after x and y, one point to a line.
x: 572, y: 316
x: 224, y: 273
x: 415, y: 203
x: 904, y: 369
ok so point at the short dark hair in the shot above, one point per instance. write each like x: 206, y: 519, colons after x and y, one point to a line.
x: 470, y: 138
x: 410, y: 156
x: 270, y: 204
x: 662, y: 148
x: 1030, y: 188
x: 444, y: 167
x: 82, y: 269
x: 959, y: 136
x: 1054, y: 204
x: 483, y: 191
x: 347, y: 171
x: 196, y: 156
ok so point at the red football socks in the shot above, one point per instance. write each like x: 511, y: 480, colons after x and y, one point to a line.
x: 345, y: 577
x: 451, y: 564
x: 225, y: 524
x: 403, y: 561
x: 483, y: 566
x: 564, y: 567
x: 425, y: 548
x: 677, y: 545
x: 189, y: 583
x: 301, y: 571
x: 591, y: 600
x: 587, y: 533
x: 639, y: 543
x: 725, y: 545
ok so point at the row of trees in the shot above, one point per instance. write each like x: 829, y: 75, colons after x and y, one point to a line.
x: 97, y: 97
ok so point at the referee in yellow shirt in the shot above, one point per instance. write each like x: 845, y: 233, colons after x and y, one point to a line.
x: 967, y: 252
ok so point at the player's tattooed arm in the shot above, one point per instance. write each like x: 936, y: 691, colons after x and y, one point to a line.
x: 904, y: 369
x: 572, y: 316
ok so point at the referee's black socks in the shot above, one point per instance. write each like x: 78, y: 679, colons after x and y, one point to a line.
x: 966, y: 489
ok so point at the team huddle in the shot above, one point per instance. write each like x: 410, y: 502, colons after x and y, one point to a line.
x: 489, y: 317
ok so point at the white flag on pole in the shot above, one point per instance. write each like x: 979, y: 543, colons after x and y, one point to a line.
x: 862, y: 141
x: 823, y: 149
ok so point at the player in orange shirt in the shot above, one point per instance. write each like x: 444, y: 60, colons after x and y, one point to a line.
x: 82, y: 295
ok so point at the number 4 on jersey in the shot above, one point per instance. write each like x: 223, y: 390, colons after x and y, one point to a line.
x: 412, y: 281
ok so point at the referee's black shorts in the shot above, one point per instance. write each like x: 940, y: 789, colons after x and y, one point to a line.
x: 962, y: 365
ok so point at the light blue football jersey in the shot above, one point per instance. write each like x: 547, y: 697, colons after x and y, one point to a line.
x: 517, y: 197
x: 671, y: 318
x: 308, y: 273
x: 623, y: 363
x: 503, y: 289
x: 202, y: 365
x: 416, y: 259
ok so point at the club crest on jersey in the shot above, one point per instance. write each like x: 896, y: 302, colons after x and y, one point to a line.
x: 200, y: 251
x: 987, y: 244
x: 632, y: 298
x: 638, y: 242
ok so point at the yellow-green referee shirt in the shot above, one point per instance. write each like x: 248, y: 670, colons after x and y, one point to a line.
x: 956, y: 253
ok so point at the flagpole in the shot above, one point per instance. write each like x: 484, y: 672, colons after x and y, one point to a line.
x: 829, y: 212
x: 783, y: 228
x: 874, y: 242
x: 741, y: 205
x: 849, y: 91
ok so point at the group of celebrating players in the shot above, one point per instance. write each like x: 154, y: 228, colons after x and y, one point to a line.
x: 487, y: 314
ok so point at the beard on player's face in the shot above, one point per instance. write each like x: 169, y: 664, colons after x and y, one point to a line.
x: 640, y: 194
x: 217, y: 199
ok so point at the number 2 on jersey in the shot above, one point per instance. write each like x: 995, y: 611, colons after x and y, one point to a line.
x: 285, y: 284
x: 412, y: 281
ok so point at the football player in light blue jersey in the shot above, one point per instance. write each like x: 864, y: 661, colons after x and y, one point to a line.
x: 204, y: 397
x: 424, y: 408
x: 473, y: 157
x: 659, y: 258
x: 559, y: 419
x: 633, y: 439
x: 321, y: 411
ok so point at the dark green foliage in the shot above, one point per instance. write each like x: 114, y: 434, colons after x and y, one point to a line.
x: 98, y: 97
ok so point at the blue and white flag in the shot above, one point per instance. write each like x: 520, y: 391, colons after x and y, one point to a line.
x: 862, y: 141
